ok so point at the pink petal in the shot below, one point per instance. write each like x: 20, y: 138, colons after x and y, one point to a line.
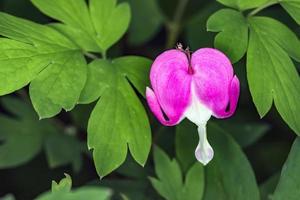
x: 215, y: 85
x: 171, y: 84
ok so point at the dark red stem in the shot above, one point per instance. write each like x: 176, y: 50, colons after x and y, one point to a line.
x: 187, y: 52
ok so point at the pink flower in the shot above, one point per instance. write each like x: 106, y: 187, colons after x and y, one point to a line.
x: 193, y: 86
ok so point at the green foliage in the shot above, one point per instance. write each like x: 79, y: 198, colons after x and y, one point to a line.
x: 243, y: 4
x: 230, y: 169
x: 52, y: 60
x: 293, y: 8
x: 228, y: 166
x: 144, y: 12
x: 40, y: 54
x: 267, y: 188
x: 233, y: 36
x: 19, y: 145
x: 244, y: 129
x: 288, y: 186
x: 271, y: 74
x: 63, y: 186
x: 62, y: 149
x: 95, y: 27
x: 170, y: 183
x: 186, y: 133
x: 23, y: 137
x: 62, y: 191
x: 118, y: 118
x: 8, y: 197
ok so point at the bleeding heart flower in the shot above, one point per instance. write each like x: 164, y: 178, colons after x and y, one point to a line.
x: 193, y: 86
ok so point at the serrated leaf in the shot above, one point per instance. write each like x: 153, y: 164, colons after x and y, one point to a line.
x: 233, y: 36
x: 270, y: 71
x: 243, y: 4
x: 288, y: 186
x: 228, y: 165
x: 76, y: 17
x: 19, y: 141
x: 118, y: 119
x: 42, y: 55
x: 146, y: 21
x: 194, y: 183
x: 62, y: 191
x: 102, y: 22
x: 23, y: 136
x: 293, y: 8
x: 63, y: 186
x: 110, y: 20
x: 62, y: 149
x: 170, y: 182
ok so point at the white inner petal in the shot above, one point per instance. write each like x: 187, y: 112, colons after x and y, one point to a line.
x: 199, y: 114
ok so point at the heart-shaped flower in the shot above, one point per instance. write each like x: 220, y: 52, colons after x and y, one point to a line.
x: 193, y: 86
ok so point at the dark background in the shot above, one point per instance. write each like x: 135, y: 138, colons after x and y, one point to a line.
x: 267, y: 155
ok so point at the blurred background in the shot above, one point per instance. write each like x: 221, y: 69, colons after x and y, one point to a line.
x: 58, y: 145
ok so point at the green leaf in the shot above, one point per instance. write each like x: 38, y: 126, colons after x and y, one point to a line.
x: 58, y: 85
x: 267, y: 188
x: 62, y: 191
x: 8, y: 197
x: 170, y: 183
x: 132, y: 188
x: 118, y: 119
x: 19, y: 145
x: 233, y: 36
x: 63, y: 186
x: 110, y: 20
x: 62, y: 149
x: 243, y: 4
x: 42, y: 55
x: 244, y: 132
x: 76, y: 18
x: 78, y: 36
x: 288, y: 186
x: 194, y: 183
x: 21, y: 137
x: 285, y: 38
x: 293, y: 8
x: 185, y: 133
x: 271, y: 73
x: 102, y: 22
x: 223, y: 171
x: 146, y: 21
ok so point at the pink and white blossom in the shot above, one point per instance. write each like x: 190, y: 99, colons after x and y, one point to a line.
x: 195, y: 87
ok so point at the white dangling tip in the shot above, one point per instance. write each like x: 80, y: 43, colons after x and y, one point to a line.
x: 204, y: 152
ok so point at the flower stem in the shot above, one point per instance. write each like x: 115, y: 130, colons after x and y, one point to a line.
x: 255, y: 11
x: 103, y: 55
x: 90, y: 55
x: 174, y: 26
